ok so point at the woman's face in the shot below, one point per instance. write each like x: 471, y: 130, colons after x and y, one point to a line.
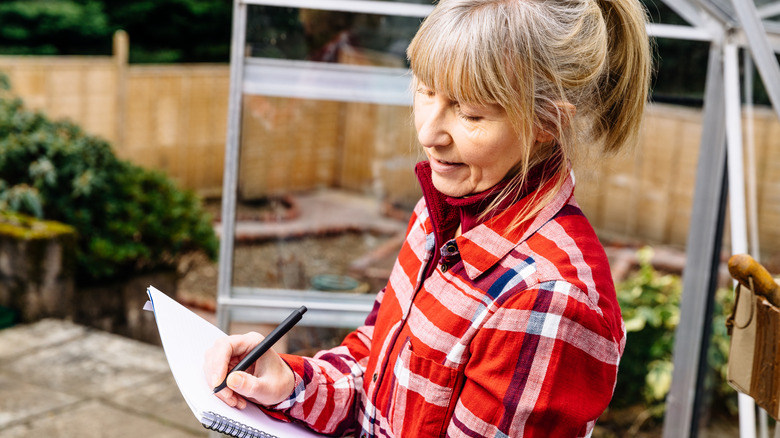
x: 470, y: 148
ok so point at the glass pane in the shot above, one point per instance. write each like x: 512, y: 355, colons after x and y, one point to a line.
x: 325, y: 192
x: 329, y: 36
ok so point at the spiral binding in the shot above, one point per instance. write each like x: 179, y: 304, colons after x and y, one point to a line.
x: 230, y: 427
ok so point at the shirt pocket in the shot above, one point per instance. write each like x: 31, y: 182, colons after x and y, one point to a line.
x: 422, y: 394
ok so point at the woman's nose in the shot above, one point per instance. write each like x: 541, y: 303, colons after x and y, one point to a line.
x: 432, y: 127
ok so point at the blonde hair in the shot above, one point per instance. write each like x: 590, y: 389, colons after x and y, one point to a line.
x: 532, y: 57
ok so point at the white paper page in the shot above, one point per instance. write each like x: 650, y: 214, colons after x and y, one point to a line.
x: 186, y: 337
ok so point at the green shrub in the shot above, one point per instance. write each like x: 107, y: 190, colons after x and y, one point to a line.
x: 650, y: 302
x: 129, y: 219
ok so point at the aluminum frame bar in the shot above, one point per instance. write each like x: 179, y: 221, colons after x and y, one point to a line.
x: 659, y: 30
x: 325, y: 309
x: 698, y: 17
x: 737, y: 203
x: 716, y: 11
x: 769, y: 10
x: 688, y: 11
x: 763, y: 55
x: 703, y: 251
x: 328, y: 81
x: 358, y: 6
x: 230, y: 177
x: 750, y: 158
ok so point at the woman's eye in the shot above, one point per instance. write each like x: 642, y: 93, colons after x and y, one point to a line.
x: 425, y: 92
x: 467, y: 116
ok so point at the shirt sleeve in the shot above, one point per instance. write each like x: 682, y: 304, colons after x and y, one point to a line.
x: 327, y: 386
x: 543, y: 364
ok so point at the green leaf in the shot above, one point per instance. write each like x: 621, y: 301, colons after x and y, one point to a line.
x: 658, y: 380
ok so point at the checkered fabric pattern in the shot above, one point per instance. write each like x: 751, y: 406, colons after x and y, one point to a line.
x: 518, y: 335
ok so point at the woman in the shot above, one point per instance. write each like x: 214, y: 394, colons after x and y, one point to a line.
x: 500, y: 316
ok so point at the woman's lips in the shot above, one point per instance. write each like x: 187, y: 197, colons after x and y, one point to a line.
x: 441, y: 166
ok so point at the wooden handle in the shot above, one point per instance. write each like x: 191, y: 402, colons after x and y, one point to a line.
x: 742, y: 267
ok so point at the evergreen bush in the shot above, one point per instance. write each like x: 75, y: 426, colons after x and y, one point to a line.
x: 129, y: 219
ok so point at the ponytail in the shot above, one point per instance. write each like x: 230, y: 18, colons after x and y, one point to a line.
x: 623, y: 88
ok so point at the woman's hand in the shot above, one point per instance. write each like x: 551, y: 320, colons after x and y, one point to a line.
x: 267, y: 382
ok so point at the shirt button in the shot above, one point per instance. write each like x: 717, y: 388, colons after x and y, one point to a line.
x: 374, y: 377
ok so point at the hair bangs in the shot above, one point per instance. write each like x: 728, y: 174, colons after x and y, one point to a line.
x: 450, y: 55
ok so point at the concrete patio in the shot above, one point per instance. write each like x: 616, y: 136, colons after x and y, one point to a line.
x: 58, y: 379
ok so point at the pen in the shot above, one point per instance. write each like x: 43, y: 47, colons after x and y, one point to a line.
x: 265, y: 344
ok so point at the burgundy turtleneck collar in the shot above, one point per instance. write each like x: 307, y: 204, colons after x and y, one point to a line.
x: 447, y: 212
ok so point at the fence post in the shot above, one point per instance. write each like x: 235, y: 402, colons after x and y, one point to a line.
x: 121, y: 57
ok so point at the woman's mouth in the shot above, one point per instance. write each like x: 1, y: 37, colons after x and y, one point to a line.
x: 443, y: 166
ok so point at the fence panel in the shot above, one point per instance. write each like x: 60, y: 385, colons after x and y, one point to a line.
x: 173, y: 118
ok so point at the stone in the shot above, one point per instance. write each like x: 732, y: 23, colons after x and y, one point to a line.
x: 37, y: 267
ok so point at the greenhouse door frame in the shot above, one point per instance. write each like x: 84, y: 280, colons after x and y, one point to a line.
x: 282, y: 78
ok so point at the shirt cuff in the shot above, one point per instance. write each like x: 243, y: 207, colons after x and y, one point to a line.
x: 298, y: 387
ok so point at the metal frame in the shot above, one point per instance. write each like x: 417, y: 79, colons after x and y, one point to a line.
x: 277, y: 77
x: 702, y: 248
x: 722, y: 133
x: 728, y: 27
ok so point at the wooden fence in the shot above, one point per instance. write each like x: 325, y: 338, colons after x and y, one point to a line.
x: 173, y: 118
x: 166, y: 117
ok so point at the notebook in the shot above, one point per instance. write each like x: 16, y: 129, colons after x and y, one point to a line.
x: 185, y: 338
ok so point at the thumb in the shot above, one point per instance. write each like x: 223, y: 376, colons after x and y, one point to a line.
x: 243, y: 383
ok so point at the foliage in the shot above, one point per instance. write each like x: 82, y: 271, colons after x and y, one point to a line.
x: 174, y: 30
x: 160, y: 30
x: 650, y: 302
x: 54, y: 27
x: 128, y: 218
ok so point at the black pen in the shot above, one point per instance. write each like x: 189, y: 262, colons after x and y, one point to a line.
x: 265, y: 344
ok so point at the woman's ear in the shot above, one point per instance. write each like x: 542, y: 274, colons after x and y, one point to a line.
x: 566, y: 112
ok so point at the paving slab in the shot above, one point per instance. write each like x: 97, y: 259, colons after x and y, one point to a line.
x: 23, y: 400
x: 95, y: 364
x: 18, y: 340
x: 94, y: 419
x: 58, y: 379
x: 160, y: 399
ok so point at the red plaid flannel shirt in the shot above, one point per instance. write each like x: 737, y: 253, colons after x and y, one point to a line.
x: 520, y: 335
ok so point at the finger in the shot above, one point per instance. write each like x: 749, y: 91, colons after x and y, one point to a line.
x: 228, y: 396
x: 216, y: 362
x: 225, y: 353
x: 243, y: 344
x: 231, y: 398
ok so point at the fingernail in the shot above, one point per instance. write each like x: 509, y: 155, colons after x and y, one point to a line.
x: 235, y: 380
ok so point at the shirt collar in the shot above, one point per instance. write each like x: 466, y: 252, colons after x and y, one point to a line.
x: 484, y: 242
x: 488, y: 243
